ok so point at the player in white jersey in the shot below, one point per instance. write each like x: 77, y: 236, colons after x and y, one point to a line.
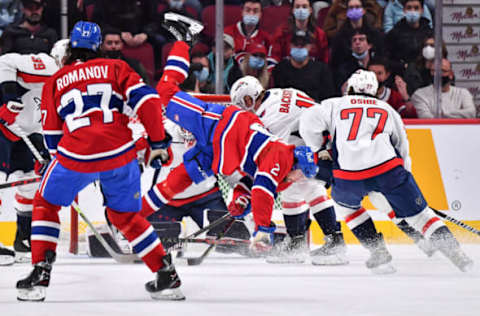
x: 21, y: 82
x: 369, y: 148
x: 280, y: 110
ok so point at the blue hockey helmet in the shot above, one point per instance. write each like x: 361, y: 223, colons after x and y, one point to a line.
x: 305, y: 161
x: 86, y: 35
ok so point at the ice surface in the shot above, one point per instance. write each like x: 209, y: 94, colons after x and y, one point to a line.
x: 229, y: 285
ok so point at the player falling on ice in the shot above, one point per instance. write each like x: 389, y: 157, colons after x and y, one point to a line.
x: 369, y: 148
x: 228, y: 140
x: 280, y: 110
x: 21, y: 81
x: 86, y: 131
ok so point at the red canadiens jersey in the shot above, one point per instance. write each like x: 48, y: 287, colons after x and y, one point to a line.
x: 85, y: 112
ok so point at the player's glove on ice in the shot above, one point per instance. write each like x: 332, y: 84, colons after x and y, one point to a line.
x: 9, y: 111
x: 262, y: 239
x: 159, y: 153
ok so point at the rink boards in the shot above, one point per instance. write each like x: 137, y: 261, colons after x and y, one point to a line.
x: 445, y: 162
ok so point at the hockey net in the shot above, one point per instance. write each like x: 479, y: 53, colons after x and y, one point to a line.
x: 74, y: 230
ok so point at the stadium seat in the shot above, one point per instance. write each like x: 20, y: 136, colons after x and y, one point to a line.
x: 89, y: 11
x: 231, y: 14
x: 144, y: 54
x: 273, y: 17
x: 322, y: 14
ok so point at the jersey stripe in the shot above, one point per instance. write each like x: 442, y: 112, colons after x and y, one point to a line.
x: 97, y: 156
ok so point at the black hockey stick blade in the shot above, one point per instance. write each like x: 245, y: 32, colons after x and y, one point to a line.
x: 457, y: 222
x: 195, y: 261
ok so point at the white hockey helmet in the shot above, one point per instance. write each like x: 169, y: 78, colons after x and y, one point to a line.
x: 59, y: 51
x: 364, y: 82
x: 245, y: 86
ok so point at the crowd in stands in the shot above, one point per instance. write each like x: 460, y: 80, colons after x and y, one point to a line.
x: 310, y: 45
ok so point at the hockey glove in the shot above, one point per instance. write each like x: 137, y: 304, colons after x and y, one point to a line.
x: 159, y: 153
x: 262, y: 239
x: 9, y: 111
x: 240, y: 204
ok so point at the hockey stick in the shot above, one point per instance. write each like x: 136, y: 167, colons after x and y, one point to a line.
x: 198, y: 260
x: 209, y: 241
x: 17, y: 183
x: 208, y: 227
x: 119, y: 257
x: 457, y: 222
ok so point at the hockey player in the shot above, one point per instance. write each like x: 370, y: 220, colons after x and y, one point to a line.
x: 280, y: 110
x: 21, y: 81
x: 86, y: 131
x: 369, y: 148
x: 227, y: 140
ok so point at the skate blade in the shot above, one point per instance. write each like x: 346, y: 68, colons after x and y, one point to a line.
x: 330, y: 260
x: 386, y: 268
x: 23, y: 257
x: 35, y: 294
x: 194, y: 26
x: 168, y: 295
x: 467, y: 268
x: 7, y: 260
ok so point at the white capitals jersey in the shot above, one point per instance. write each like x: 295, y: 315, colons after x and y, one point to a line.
x: 179, y: 146
x: 280, y: 112
x: 368, y: 135
x: 29, y: 72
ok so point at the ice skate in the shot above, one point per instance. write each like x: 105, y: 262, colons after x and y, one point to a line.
x: 380, y: 258
x: 21, y: 245
x: 34, y: 286
x: 166, y: 285
x: 333, y: 252
x: 181, y: 27
x: 446, y: 243
x: 290, y: 250
x: 426, y: 246
x: 7, y: 256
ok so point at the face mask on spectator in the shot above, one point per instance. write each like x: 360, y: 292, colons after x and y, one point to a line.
x: 360, y: 56
x: 250, y: 19
x: 355, y: 14
x: 428, y: 52
x: 299, y: 54
x: 412, y: 16
x: 277, y: 2
x: 202, y: 75
x: 256, y: 62
x: 176, y: 4
x: 301, y: 13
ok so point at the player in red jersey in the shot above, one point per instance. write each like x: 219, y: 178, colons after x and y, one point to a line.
x: 85, y: 111
x: 228, y: 140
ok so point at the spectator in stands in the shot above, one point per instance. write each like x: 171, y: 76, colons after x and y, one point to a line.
x: 399, y: 100
x: 230, y: 66
x: 130, y: 17
x: 301, y: 19
x: 404, y: 42
x: 177, y: 6
x: 10, y: 12
x: 337, y: 16
x: 456, y: 102
x: 394, y: 13
x: 254, y: 64
x: 356, y: 20
x: 300, y: 71
x: 362, y: 52
x: 417, y: 75
x: 203, y: 73
x: 247, y: 31
x: 30, y: 34
x: 112, y: 46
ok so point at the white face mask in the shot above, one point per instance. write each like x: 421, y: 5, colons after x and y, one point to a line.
x: 428, y: 52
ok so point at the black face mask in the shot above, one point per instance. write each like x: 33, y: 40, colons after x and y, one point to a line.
x: 445, y: 80
x: 114, y: 54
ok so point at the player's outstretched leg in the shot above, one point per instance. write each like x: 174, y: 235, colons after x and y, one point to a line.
x: 381, y: 203
x: 333, y: 251
x: 33, y: 287
x: 7, y: 256
x: 361, y: 224
x: 441, y: 237
x: 145, y: 243
x: 294, y: 248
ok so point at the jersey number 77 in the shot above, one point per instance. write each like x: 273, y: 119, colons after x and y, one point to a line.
x: 372, y: 113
